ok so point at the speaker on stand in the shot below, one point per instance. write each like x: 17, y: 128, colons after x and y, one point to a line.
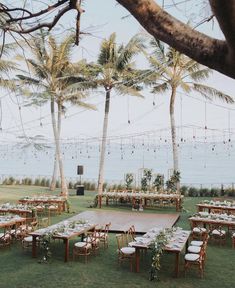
x: 80, y: 187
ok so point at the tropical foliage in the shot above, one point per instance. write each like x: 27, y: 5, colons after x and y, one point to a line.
x: 116, y: 72
x: 173, y: 71
x: 51, y: 77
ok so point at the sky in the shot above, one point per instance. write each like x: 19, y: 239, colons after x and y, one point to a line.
x: 101, y: 18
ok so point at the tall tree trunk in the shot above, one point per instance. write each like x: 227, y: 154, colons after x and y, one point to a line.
x: 56, y: 132
x: 64, y: 188
x: 54, y: 126
x: 54, y: 175
x: 103, y: 148
x: 173, y: 132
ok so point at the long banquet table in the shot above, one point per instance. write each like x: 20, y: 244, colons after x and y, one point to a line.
x: 207, y: 219
x: 64, y: 230
x: 50, y: 200
x: 143, y: 198
x: 230, y: 209
x: 10, y: 220
x: 175, y: 245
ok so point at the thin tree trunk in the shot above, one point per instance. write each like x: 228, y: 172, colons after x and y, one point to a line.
x: 173, y: 132
x: 103, y: 148
x: 64, y: 188
x: 53, y: 120
x: 56, y: 132
x: 54, y: 176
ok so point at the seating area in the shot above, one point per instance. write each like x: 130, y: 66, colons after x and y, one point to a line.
x: 83, y: 257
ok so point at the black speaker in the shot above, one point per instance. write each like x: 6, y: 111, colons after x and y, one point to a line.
x: 80, y: 170
x: 80, y: 190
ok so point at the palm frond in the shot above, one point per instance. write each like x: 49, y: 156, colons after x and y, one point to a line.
x: 126, y: 53
x: 200, y: 75
x: 158, y: 50
x: 108, y: 50
x: 128, y: 90
x: 160, y: 88
x: 211, y: 93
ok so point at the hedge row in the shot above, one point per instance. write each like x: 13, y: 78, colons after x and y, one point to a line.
x: 91, y: 186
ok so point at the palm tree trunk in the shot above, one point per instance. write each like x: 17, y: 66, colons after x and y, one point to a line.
x: 103, y: 148
x: 54, y: 176
x: 64, y: 188
x: 53, y: 179
x: 173, y: 130
x: 56, y: 132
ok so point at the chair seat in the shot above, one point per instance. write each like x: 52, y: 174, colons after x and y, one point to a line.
x: 101, y: 235
x: 191, y: 257
x: 52, y: 207
x: 128, y: 250
x: 28, y: 239
x: 82, y: 245
x: 199, y: 230
x: 6, y: 235
x: 194, y: 249
x: 90, y: 240
x: 196, y: 243
x: 218, y: 232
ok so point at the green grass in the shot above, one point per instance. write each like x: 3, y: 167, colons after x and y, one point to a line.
x: 18, y: 269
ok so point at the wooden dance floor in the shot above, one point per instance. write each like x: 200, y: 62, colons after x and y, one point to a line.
x: 121, y: 221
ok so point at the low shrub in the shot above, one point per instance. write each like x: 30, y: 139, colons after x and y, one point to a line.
x: 193, y: 192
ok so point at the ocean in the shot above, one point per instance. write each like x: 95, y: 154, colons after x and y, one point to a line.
x: 207, y: 164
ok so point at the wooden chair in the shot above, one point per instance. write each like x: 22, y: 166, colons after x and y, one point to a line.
x: 94, y: 239
x: 200, y: 243
x: 130, y: 235
x: 19, y: 231
x: 195, y: 259
x: 103, y: 235
x: 5, y: 236
x: 82, y: 248
x: 218, y: 235
x: 124, y: 253
x: 198, y: 231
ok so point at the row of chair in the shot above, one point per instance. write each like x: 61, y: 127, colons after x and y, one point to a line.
x: 216, y: 232
x: 196, y: 254
x: 17, y: 231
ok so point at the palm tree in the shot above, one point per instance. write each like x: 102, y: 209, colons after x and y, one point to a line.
x: 177, y: 71
x: 52, y: 73
x: 7, y: 66
x: 115, y: 71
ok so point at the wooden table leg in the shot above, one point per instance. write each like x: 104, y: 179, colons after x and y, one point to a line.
x: 34, y: 246
x: 66, y: 254
x: 137, y: 259
x: 177, y: 264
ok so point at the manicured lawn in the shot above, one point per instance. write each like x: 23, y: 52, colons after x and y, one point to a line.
x: 18, y: 269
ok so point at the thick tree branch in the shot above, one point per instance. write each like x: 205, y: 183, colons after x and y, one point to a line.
x: 225, y: 14
x: 203, y: 49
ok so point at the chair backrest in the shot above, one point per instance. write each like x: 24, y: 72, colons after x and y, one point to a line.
x: 121, y: 240
x: 130, y: 234
x: 107, y: 227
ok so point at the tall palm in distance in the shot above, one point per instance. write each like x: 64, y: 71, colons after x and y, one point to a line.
x: 52, y: 74
x: 6, y: 67
x: 173, y: 71
x: 115, y: 71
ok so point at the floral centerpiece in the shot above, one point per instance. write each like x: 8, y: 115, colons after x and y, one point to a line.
x: 157, y: 250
